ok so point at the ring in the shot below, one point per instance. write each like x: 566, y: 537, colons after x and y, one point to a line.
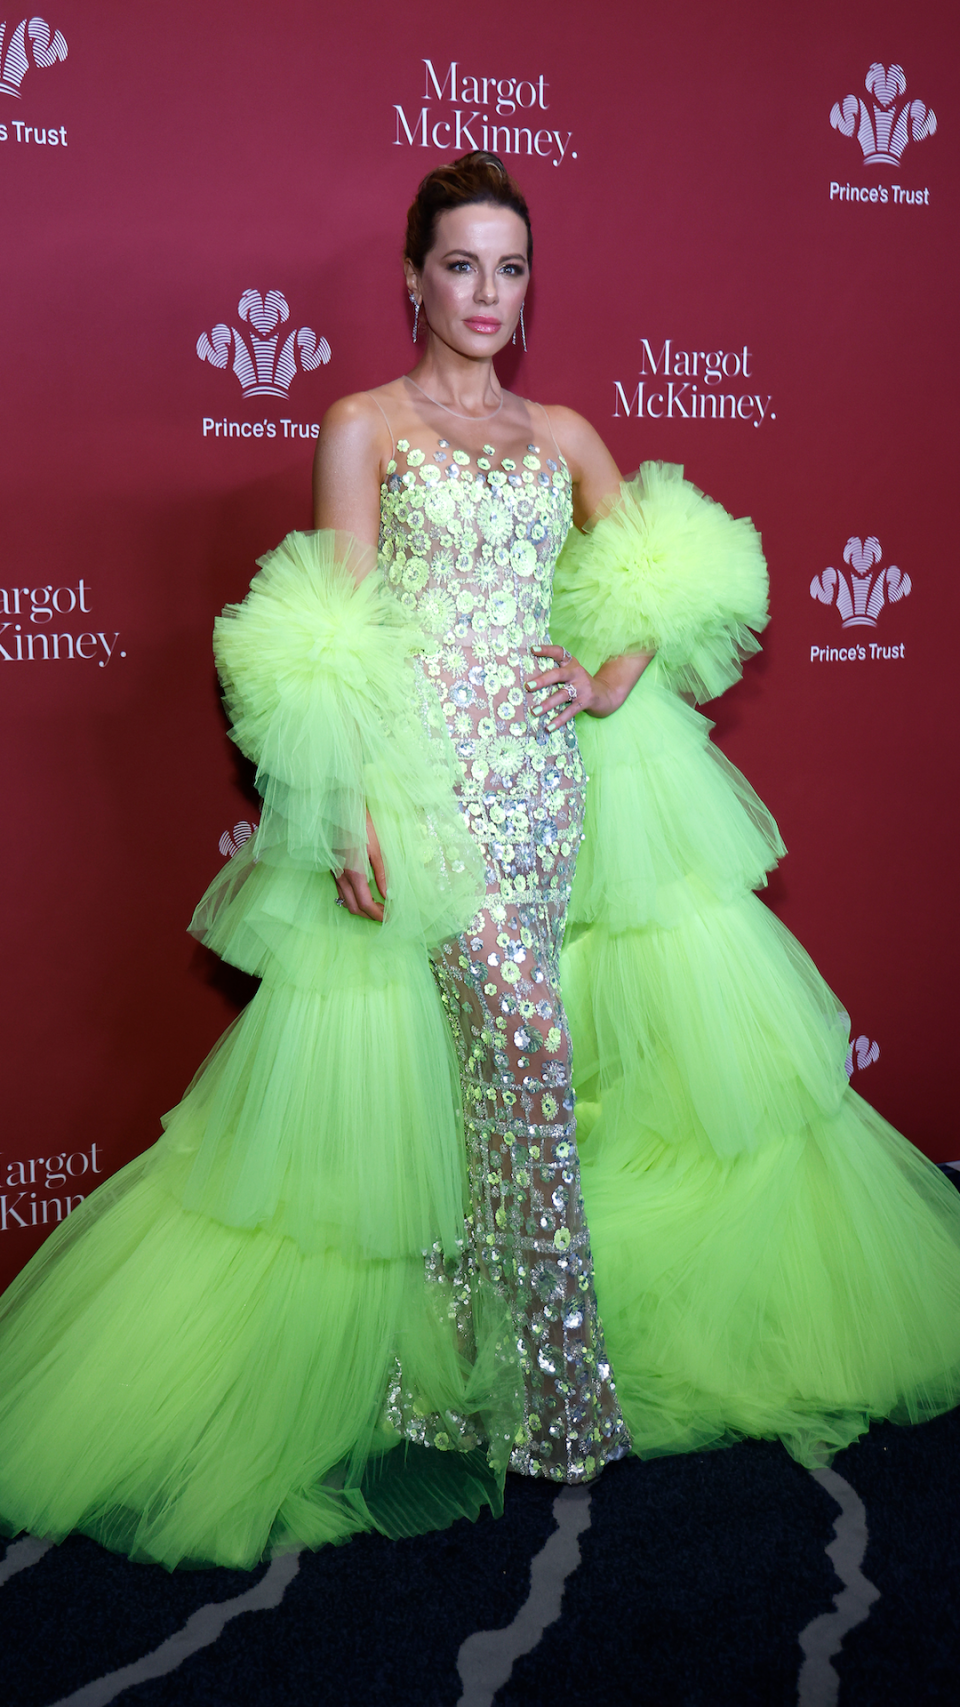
x: 571, y: 690
x: 340, y: 901
x: 567, y: 657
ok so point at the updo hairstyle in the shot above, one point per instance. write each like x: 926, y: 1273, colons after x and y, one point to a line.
x: 474, y: 178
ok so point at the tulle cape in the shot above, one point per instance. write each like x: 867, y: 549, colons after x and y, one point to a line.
x: 195, y: 1365
x: 318, y: 665
x: 771, y: 1257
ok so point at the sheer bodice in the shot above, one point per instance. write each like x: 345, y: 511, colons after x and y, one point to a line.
x: 468, y: 540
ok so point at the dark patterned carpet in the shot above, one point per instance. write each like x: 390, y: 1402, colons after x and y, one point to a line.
x: 726, y: 1579
x: 715, y: 1580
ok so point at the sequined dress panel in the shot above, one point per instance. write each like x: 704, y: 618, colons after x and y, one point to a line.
x: 469, y: 543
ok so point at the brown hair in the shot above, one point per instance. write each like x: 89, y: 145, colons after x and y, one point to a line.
x: 476, y: 177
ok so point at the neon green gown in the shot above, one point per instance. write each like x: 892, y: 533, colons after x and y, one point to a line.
x: 375, y: 1261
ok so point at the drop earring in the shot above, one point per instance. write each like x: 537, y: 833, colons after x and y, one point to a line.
x: 523, y: 332
x: 416, y: 315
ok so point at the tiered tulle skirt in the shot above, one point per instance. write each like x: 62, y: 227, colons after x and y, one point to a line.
x: 197, y: 1366
x: 772, y: 1258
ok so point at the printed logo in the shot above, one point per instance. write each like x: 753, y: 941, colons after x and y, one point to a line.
x: 860, y: 1055
x: 40, y: 626
x: 29, y: 44
x: 501, y: 115
x: 861, y: 598
x: 264, y: 366
x: 22, y: 1207
x: 693, y: 385
x: 885, y: 126
x: 231, y: 844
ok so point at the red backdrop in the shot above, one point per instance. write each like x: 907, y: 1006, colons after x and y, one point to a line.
x: 724, y: 277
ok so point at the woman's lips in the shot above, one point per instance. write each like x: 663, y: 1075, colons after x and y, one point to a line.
x: 478, y: 323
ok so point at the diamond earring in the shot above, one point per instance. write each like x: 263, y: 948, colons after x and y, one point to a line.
x: 416, y: 315
x: 523, y: 332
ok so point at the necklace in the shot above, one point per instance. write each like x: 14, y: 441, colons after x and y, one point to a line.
x: 446, y: 406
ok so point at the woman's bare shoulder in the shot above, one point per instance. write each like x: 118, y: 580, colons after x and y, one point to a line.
x: 590, y: 462
x: 568, y: 419
x: 353, y: 414
x: 355, y: 427
x: 579, y: 441
x: 352, y: 452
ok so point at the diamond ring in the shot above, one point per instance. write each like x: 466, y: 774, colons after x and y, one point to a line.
x: 571, y: 690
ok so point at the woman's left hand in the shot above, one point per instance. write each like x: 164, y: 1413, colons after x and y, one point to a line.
x: 576, y: 689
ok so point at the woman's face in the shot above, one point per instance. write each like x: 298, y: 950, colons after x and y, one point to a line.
x: 474, y: 278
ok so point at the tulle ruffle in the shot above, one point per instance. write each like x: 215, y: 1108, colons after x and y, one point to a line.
x: 197, y: 1363
x: 670, y: 824
x: 194, y: 1393
x: 329, y: 1112
x: 797, y: 1290
x: 663, y: 569
x: 326, y: 697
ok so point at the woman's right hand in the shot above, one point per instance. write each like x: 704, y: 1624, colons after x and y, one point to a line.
x: 353, y: 887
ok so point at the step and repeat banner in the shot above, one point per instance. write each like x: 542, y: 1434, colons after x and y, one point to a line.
x: 745, y: 262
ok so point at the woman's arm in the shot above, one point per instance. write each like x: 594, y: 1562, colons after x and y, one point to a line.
x: 596, y: 478
x: 594, y: 473
x: 352, y: 452
x: 350, y: 459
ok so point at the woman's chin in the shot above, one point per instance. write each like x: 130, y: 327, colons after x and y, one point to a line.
x: 467, y: 341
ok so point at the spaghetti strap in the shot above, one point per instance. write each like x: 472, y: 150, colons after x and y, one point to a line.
x: 551, y: 431
x: 393, y: 442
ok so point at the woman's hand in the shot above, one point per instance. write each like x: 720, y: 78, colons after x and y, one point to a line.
x: 353, y: 889
x: 577, y: 690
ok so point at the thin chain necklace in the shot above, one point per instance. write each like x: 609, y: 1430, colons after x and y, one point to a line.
x: 446, y: 406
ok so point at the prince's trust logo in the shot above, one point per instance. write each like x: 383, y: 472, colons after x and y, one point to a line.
x: 883, y: 128
x: 28, y: 44
x: 862, y: 1053
x: 230, y: 845
x: 859, y: 599
x: 264, y: 366
x: 887, y: 125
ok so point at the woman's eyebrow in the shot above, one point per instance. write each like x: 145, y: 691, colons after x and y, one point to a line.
x: 471, y: 255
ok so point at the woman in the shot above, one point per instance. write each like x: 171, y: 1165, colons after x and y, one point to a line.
x: 354, y: 1281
